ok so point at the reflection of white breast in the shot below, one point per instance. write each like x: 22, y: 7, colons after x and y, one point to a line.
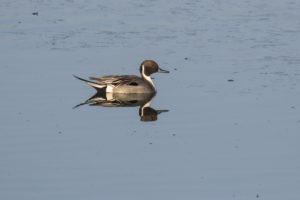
x: 109, y: 88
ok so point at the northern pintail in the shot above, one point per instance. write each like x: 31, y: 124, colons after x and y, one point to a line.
x: 128, y: 83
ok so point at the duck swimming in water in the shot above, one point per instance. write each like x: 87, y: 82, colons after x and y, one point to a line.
x: 128, y: 83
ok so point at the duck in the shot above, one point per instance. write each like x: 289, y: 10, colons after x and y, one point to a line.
x: 127, y: 84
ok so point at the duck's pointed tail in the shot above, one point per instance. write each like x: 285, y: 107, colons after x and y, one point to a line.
x: 97, y: 86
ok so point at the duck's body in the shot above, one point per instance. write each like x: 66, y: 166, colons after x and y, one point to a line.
x: 128, y: 83
x: 125, y: 84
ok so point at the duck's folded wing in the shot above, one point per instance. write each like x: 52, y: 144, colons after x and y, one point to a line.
x: 115, y: 80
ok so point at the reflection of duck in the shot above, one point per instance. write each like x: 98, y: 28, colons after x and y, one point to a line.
x: 128, y: 83
x: 126, y: 100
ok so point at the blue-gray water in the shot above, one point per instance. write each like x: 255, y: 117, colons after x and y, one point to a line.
x: 220, y: 139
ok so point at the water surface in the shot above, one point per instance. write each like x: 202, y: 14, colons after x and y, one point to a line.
x: 233, y: 120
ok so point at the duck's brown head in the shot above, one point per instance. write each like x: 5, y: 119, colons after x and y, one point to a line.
x: 149, y: 67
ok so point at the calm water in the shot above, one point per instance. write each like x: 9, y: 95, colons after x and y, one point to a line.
x: 232, y: 128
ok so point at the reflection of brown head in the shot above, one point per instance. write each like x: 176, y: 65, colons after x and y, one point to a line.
x: 148, y: 114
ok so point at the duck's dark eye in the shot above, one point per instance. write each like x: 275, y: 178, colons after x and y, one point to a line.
x: 133, y: 83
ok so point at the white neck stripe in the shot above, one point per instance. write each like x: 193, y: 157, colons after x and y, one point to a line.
x: 148, y: 78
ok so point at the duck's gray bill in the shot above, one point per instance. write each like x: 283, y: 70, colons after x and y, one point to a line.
x: 162, y: 71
